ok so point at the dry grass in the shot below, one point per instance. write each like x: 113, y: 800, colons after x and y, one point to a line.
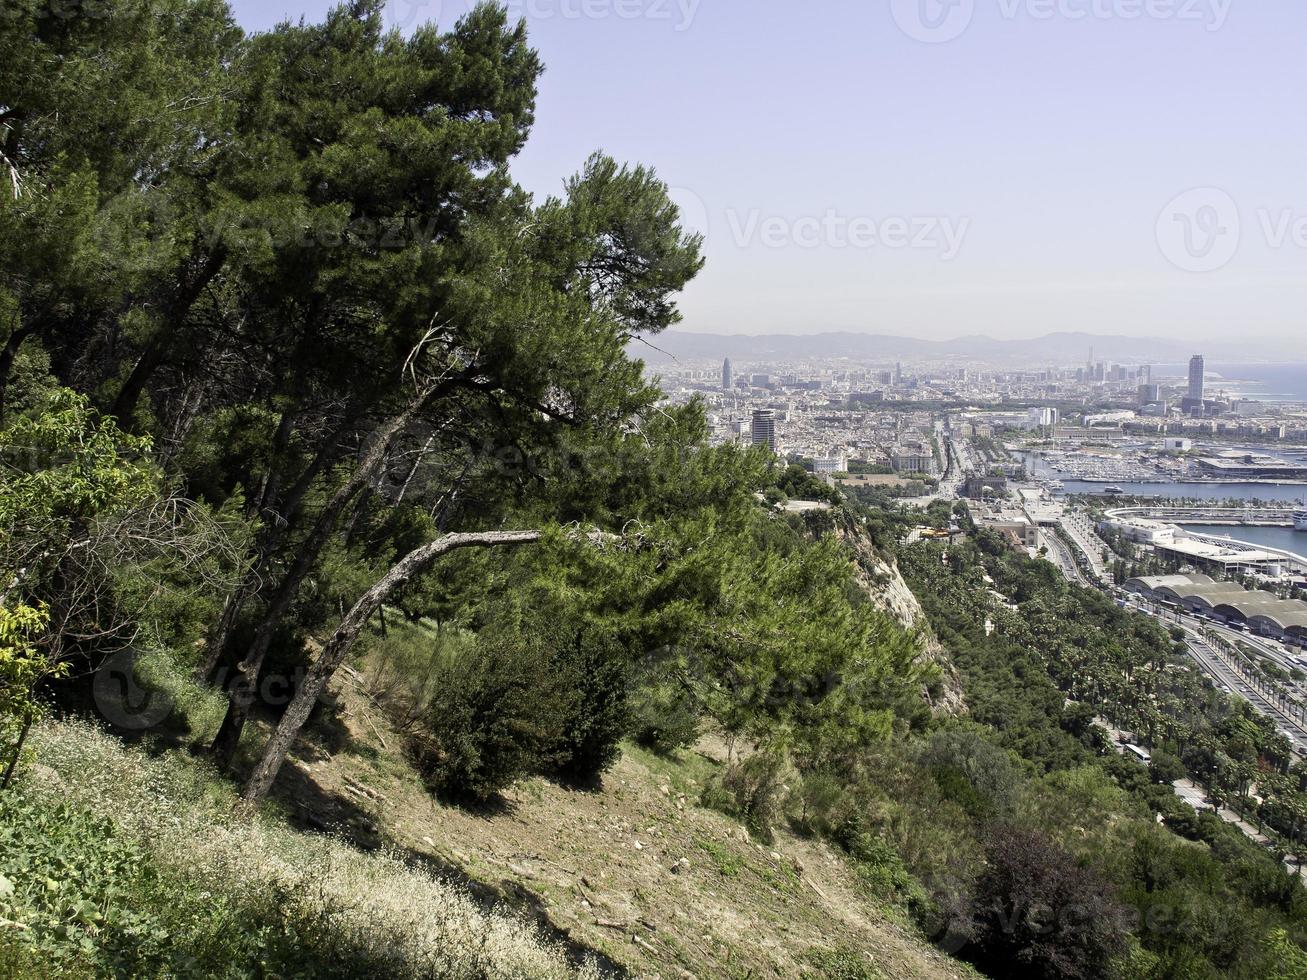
x: 189, y: 823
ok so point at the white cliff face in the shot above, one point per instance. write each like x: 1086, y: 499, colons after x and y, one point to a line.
x: 885, y: 586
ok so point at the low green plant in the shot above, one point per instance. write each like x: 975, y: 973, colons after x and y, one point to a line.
x: 753, y: 791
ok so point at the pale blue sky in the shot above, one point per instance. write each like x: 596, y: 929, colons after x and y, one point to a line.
x: 1015, y: 179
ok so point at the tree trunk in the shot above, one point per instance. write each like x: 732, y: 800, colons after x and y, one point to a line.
x: 241, y: 693
x: 161, y: 344
x: 219, y: 637
x: 334, y: 653
x: 7, y: 356
x: 276, y: 525
x: 18, y: 753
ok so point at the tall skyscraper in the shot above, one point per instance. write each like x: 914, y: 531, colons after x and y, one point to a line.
x: 1197, y: 378
x: 898, y: 372
x: 727, y: 375
x: 763, y: 431
x: 1193, y: 403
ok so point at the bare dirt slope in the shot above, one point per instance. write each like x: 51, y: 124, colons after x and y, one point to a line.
x: 634, y: 870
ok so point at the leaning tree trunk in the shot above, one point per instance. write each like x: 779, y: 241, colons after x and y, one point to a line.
x: 241, y: 694
x: 278, y: 515
x: 334, y: 653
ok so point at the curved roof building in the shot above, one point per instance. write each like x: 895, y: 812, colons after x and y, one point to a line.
x: 1264, y: 612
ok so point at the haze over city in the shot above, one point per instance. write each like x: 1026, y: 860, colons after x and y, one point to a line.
x: 856, y: 169
x: 653, y: 488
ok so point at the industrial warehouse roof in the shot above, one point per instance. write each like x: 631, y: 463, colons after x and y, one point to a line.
x: 1152, y: 582
x: 1210, y: 594
x: 1270, y: 609
x: 1229, y: 599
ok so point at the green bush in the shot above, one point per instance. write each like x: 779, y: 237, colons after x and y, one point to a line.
x: 598, y: 713
x: 86, y: 901
x: 1166, y: 768
x: 1042, y: 914
x: 496, y: 716
x: 665, y: 716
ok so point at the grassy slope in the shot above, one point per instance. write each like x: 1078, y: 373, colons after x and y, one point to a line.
x: 599, y: 866
x: 633, y: 875
x: 365, y: 913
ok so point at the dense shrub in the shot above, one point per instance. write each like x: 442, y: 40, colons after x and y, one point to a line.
x: 496, y: 715
x: 664, y: 715
x: 1165, y: 768
x: 1042, y: 915
x: 598, y: 715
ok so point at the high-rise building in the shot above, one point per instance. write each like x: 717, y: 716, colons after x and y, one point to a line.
x: 1149, y: 393
x: 763, y: 431
x: 898, y: 372
x: 727, y: 375
x: 1197, y: 378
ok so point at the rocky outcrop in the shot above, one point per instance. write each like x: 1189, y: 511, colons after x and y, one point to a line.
x: 884, y: 585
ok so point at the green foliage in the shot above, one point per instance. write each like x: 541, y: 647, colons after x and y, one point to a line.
x: 664, y: 712
x: 22, y: 668
x: 1165, y: 768
x: 130, y: 863
x: 753, y: 791
x: 843, y: 964
x: 1043, y: 914
x: 65, y: 464
x: 596, y: 673
x: 495, y: 716
x: 1203, y: 899
x: 793, y: 482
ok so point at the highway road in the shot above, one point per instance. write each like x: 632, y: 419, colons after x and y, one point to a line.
x: 1059, y: 553
x: 1218, y: 668
x: 1204, y: 654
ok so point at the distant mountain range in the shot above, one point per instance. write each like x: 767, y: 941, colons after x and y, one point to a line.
x: 1060, y: 349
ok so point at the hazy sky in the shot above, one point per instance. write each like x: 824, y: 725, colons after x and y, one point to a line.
x: 945, y: 167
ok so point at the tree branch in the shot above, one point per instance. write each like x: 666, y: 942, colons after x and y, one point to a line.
x: 334, y: 653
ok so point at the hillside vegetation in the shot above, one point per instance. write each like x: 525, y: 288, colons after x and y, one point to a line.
x: 366, y: 611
